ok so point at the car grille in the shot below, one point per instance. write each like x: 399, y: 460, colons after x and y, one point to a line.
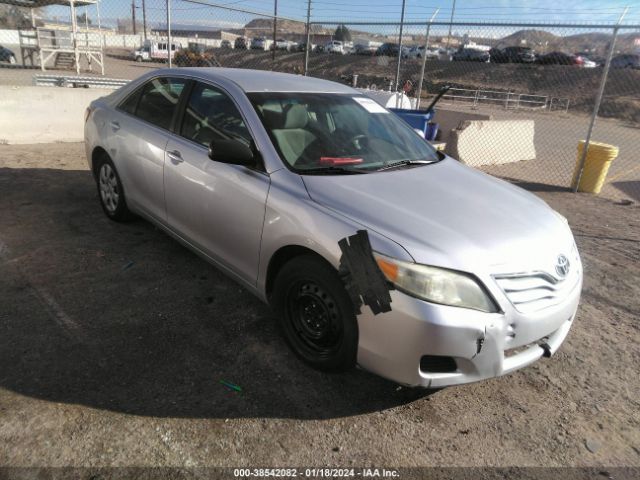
x: 533, y: 291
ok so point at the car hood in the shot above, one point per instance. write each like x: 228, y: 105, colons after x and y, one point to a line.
x: 450, y: 215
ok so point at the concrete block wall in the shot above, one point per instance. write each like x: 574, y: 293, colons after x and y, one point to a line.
x: 44, y: 114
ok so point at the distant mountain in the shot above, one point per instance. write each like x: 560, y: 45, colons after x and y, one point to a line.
x: 264, y: 26
x: 530, y: 38
x: 596, y: 43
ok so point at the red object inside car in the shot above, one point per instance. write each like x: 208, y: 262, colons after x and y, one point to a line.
x: 339, y: 160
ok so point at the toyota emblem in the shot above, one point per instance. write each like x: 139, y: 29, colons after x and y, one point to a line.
x: 562, y: 266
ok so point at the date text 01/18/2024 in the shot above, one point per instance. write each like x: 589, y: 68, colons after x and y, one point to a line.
x: 315, y: 472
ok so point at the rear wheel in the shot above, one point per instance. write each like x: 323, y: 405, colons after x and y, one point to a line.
x: 110, y: 190
x: 316, y: 314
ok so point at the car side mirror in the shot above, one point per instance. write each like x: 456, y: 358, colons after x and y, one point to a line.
x: 231, y: 151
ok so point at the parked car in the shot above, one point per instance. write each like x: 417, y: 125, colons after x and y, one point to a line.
x: 281, y: 44
x: 7, y: 55
x: 319, y: 48
x: 388, y: 50
x: 225, y: 44
x: 560, y: 58
x: 627, y: 60
x: 471, y: 55
x: 360, y: 49
x: 335, y: 46
x: 297, y: 193
x: 259, y: 43
x: 419, y: 52
x: 512, y: 55
x: 241, y: 43
x: 303, y: 45
x: 588, y: 63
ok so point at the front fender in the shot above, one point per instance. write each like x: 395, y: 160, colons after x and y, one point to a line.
x: 292, y: 218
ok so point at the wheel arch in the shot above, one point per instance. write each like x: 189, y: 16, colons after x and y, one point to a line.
x: 96, y: 153
x: 281, y: 257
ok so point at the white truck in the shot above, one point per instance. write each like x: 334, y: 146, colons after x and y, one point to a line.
x: 155, y: 51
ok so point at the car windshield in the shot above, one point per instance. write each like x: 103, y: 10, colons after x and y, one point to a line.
x: 338, y: 132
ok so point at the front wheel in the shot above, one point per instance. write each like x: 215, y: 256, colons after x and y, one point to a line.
x: 316, y: 314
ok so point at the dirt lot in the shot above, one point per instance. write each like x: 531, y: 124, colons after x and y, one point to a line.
x: 114, y: 339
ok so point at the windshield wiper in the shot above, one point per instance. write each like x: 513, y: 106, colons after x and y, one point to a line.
x: 403, y: 163
x: 333, y: 169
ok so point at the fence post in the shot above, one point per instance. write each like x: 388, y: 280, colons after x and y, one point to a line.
x: 308, y: 35
x: 169, y: 52
x: 275, y: 31
x: 424, y: 58
x: 596, y: 107
x: 395, y: 89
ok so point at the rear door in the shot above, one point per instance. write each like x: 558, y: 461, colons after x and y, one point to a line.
x: 140, y: 129
x: 218, y: 207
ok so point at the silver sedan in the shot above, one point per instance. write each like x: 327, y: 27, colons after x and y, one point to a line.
x: 372, y: 248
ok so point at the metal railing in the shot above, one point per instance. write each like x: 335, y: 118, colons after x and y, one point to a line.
x: 506, y: 100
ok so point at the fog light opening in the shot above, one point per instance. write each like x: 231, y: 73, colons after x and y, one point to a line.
x: 437, y: 364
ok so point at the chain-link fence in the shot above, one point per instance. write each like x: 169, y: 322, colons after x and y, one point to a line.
x: 521, y: 98
x: 519, y: 101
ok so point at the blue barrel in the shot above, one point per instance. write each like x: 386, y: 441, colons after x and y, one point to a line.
x: 418, y: 119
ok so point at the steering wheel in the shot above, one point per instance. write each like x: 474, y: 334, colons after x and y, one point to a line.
x: 357, y: 141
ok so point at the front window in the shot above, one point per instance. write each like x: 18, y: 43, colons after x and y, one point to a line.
x: 211, y: 115
x: 313, y: 131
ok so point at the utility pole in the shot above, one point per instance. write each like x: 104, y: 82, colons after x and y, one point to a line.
x: 133, y: 15
x: 275, y: 28
x: 308, y: 35
x: 144, y: 19
x: 399, y: 49
x: 169, y: 50
x: 453, y: 12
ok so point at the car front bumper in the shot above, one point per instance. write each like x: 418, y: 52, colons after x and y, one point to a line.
x: 483, y: 345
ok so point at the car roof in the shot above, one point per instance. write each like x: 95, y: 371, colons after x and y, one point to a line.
x: 263, y: 80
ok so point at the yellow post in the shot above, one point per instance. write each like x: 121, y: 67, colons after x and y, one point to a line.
x: 596, y: 165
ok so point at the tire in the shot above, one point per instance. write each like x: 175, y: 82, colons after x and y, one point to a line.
x: 110, y: 190
x: 138, y: 58
x: 12, y: 59
x: 316, y: 314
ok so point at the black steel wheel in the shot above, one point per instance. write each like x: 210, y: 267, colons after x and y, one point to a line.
x: 316, y: 314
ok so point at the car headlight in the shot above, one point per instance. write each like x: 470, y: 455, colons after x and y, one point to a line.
x: 437, y: 285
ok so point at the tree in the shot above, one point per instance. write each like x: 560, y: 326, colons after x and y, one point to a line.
x: 12, y: 17
x: 342, y: 33
x: 83, y: 19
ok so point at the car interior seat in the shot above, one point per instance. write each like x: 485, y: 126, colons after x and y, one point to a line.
x: 293, y: 137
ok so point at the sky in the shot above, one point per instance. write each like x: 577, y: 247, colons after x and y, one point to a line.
x: 333, y: 11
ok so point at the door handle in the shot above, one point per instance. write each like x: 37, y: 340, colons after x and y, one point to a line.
x: 115, y: 126
x: 175, y: 156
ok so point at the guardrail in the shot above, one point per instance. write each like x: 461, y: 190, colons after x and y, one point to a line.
x: 507, y: 100
x: 78, y: 82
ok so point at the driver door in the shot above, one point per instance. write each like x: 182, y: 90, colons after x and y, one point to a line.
x: 218, y: 207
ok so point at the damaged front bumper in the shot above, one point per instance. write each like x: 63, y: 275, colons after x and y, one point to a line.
x: 423, y: 344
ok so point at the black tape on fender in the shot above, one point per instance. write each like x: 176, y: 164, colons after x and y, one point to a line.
x: 361, y: 275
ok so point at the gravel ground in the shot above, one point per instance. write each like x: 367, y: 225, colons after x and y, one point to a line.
x: 114, y: 339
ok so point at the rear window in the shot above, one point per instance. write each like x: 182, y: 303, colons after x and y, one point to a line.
x: 155, y: 102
